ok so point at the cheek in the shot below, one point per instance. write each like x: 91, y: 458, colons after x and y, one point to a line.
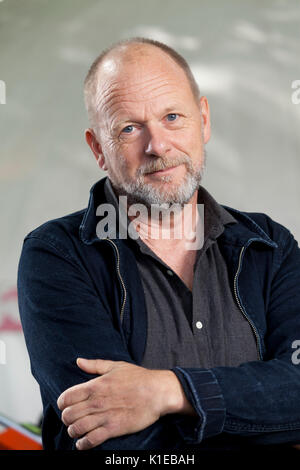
x: 123, y: 162
x: 133, y: 146
x: 189, y: 141
x: 131, y: 154
x: 110, y: 147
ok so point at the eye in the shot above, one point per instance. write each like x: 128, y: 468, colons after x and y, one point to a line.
x: 128, y: 129
x: 172, y: 117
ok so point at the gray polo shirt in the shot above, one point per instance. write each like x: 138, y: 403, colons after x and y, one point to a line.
x: 199, y: 328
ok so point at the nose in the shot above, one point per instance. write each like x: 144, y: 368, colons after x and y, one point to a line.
x: 157, y: 142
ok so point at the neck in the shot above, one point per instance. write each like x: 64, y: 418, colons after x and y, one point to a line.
x: 173, y: 227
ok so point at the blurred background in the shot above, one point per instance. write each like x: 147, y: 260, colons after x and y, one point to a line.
x: 245, y: 57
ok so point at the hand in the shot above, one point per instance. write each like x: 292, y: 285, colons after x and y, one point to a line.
x: 126, y: 398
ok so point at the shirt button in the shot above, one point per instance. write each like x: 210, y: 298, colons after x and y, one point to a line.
x: 170, y: 272
x: 199, y: 325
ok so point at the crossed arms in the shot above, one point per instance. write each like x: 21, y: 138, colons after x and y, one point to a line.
x: 124, y: 399
x: 121, y: 405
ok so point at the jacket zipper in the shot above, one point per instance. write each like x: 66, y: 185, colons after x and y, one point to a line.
x: 121, y: 279
x: 240, y: 306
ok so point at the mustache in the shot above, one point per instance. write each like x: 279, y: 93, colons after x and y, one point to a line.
x: 162, y: 164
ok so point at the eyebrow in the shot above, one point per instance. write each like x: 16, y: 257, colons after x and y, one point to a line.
x: 171, y: 109
x: 168, y: 110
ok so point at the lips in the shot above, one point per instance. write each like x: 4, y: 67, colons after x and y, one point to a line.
x: 165, y: 170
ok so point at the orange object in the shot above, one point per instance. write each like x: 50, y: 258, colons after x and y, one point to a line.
x: 10, y: 439
x: 13, y: 436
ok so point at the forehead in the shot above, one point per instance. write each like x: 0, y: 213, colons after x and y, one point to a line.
x: 142, y: 77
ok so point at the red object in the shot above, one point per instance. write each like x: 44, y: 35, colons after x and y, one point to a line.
x: 9, y: 324
x: 10, y: 439
x: 10, y: 294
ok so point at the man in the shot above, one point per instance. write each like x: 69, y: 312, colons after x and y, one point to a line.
x: 146, y: 342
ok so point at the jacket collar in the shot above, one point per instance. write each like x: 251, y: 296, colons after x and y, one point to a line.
x: 246, y: 231
x: 240, y: 228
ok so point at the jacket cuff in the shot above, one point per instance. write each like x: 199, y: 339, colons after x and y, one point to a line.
x: 204, y: 393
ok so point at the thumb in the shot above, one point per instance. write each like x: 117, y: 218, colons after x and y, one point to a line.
x: 95, y: 366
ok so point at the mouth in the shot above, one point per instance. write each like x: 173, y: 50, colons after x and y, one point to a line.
x: 164, y: 171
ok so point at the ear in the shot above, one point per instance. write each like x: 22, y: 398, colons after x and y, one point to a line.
x: 96, y: 148
x: 205, y: 115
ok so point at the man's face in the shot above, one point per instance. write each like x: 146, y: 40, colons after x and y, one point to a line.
x: 151, y: 133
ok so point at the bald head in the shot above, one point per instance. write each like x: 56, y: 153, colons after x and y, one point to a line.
x: 133, y: 55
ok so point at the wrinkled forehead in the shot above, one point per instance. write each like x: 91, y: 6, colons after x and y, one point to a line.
x: 139, y: 76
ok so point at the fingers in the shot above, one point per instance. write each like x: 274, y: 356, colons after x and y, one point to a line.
x: 87, y: 407
x: 81, y: 392
x: 72, y: 395
x: 99, y: 409
x: 115, y: 424
x: 95, y: 366
x: 95, y: 438
x: 77, y: 393
x: 86, y: 424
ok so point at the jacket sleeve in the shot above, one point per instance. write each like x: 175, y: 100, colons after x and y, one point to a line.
x: 64, y: 318
x: 258, y: 399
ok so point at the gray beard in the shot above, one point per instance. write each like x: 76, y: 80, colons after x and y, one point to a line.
x: 139, y: 192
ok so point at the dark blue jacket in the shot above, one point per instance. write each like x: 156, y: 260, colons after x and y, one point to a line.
x: 80, y: 296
